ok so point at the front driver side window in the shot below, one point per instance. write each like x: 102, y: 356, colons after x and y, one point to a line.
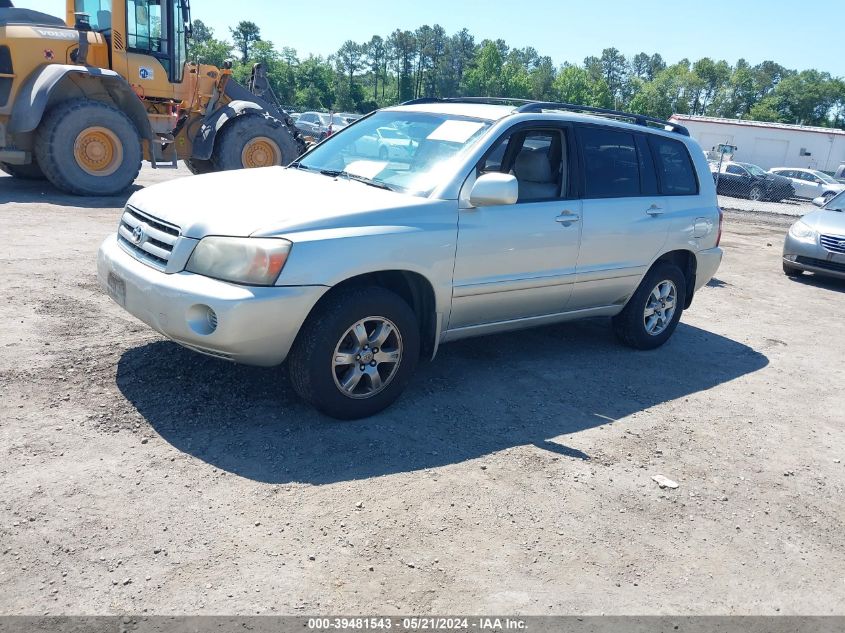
x: 538, y: 160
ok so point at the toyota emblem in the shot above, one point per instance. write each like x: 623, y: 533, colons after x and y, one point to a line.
x: 138, y: 234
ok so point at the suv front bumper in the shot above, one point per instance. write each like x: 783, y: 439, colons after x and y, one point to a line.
x: 245, y: 324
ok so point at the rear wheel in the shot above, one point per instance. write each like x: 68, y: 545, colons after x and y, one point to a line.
x: 356, y: 352
x: 254, y: 141
x: 88, y: 148
x: 24, y: 172
x: 652, y: 313
x: 829, y: 196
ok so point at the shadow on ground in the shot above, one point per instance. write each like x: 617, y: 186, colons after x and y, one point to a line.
x: 41, y: 191
x: 479, y: 396
x: 820, y: 281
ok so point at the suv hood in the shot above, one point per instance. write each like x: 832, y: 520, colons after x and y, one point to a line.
x: 266, y: 201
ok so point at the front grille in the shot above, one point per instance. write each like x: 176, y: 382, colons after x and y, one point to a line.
x: 821, y: 263
x: 833, y: 243
x: 148, y: 239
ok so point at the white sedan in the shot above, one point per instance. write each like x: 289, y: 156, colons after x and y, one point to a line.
x: 810, y: 183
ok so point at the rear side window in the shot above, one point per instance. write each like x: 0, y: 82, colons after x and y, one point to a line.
x: 611, y: 164
x: 674, y: 168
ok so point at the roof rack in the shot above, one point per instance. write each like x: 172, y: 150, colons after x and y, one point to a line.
x: 527, y: 105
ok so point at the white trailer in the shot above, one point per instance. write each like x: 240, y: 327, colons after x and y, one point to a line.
x: 770, y: 144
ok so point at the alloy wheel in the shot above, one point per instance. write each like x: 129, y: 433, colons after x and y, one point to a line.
x: 660, y: 307
x: 367, y: 357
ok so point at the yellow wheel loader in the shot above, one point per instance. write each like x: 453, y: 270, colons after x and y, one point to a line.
x: 83, y: 105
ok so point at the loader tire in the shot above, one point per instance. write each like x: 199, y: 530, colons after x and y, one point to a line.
x: 198, y: 166
x: 88, y: 148
x: 24, y: 172
x: 252, y: 140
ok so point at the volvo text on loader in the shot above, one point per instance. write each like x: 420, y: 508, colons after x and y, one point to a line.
x: 81, y: 106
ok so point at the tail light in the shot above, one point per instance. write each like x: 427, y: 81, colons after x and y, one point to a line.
x: 721, y: 220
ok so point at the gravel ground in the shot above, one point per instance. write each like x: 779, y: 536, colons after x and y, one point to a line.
x: 793, y: 207
x: 515, y: 476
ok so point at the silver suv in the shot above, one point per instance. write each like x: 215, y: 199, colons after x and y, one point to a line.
x: 500, y: 216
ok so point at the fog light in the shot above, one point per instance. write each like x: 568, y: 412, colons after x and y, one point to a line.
x: 202, y: 319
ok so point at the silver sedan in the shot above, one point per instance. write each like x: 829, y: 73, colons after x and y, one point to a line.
x: 816, y: 242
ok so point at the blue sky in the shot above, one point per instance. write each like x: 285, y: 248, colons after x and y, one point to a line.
x: 794, y: 34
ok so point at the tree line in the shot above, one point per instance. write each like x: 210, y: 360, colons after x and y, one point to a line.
x: 427, y: 62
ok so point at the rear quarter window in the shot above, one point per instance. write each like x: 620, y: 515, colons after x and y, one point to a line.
x: 675, y: 172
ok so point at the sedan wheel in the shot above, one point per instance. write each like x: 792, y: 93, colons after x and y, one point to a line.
x: 756, y: 194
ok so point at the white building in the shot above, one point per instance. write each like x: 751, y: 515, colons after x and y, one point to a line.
x: 770, y: 144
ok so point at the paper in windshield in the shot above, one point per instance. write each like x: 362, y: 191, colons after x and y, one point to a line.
x: 455, y: 131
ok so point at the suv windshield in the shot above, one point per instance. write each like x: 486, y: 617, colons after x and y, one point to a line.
x: 435, y: 141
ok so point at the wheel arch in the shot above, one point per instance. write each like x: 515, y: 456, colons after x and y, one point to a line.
x: 688, y: 263
x: 55, y: 83
x: 415, y: 289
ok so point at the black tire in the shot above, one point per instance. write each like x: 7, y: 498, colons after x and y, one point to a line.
x: 791, y: 271
x: 829, y: 196
x: 198, y: 166
x: 56, y: 138
x: 629, y: 325
x: 311, y: 360
x: 24, y: 172
x: 757, y: 194
x: 238, y: 133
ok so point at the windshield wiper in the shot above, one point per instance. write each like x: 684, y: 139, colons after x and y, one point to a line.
x: 335, y: 173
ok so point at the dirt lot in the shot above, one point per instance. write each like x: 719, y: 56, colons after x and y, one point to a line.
x: 514, y: 477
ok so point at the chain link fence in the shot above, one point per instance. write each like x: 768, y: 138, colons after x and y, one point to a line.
x: 787, y: 191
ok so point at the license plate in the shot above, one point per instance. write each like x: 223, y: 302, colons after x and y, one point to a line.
x: 117, y: 289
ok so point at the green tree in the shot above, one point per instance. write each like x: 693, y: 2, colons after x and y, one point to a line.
x: 575, y: 85
x: 245, y: 34
x: 485, y: 78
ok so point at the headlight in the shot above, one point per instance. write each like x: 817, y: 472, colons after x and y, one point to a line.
x: 802, y: 231
x: 244, y: 260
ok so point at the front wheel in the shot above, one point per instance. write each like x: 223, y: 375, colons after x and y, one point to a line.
x: 251, y: 141
x: 756, y: 194
x: 356, y: 352
x: 791, y: 271
x: 198, y: 166
x: 652, y: 313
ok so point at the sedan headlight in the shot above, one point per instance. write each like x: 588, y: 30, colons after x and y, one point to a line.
x: 245, y: 260
x: 802, y: 231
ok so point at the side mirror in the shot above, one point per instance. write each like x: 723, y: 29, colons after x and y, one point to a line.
x: 819, y: 202
x: 494, y: 189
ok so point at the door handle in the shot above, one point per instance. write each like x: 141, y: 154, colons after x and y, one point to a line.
x: 567, y: 218
x: 654, y: 210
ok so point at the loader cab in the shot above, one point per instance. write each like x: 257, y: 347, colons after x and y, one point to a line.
x: 155, y: 28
